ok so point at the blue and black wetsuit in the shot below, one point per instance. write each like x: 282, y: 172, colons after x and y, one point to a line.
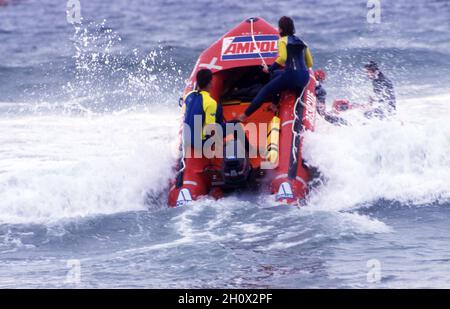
x: 295, y: 55
x: 200, y: 105
x: 384, y: 92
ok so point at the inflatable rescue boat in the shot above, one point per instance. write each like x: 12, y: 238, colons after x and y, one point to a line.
x: 277, y: 168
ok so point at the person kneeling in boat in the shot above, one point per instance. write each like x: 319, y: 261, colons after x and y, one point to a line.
x: 321, y: 95
x: 200, y: 111
x: 294, y: 54
x: 383, y: 90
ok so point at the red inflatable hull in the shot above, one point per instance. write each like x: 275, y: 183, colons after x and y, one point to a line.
x: 234, y: 55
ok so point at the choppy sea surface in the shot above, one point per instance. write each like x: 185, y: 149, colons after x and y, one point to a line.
x: 88, y: 127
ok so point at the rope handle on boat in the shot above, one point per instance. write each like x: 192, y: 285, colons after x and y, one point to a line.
x: 256, y: 46
x: 296, y: 118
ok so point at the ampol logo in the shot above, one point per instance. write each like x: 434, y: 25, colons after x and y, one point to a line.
x: 311, y: 102
x: 243, y: 47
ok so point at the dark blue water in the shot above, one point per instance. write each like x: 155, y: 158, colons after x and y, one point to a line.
x: 88, y: 126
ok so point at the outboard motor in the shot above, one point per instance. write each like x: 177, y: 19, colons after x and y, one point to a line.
x: 236, y: 167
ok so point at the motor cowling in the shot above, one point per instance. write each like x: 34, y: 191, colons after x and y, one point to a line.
x: 236, y: 167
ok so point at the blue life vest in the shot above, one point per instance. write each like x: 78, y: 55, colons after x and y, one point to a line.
x: 194, y: 107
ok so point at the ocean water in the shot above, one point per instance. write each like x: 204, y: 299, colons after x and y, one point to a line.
x: 88, y: 128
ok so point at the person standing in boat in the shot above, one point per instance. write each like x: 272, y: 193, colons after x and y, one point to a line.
x: 296, y: 58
